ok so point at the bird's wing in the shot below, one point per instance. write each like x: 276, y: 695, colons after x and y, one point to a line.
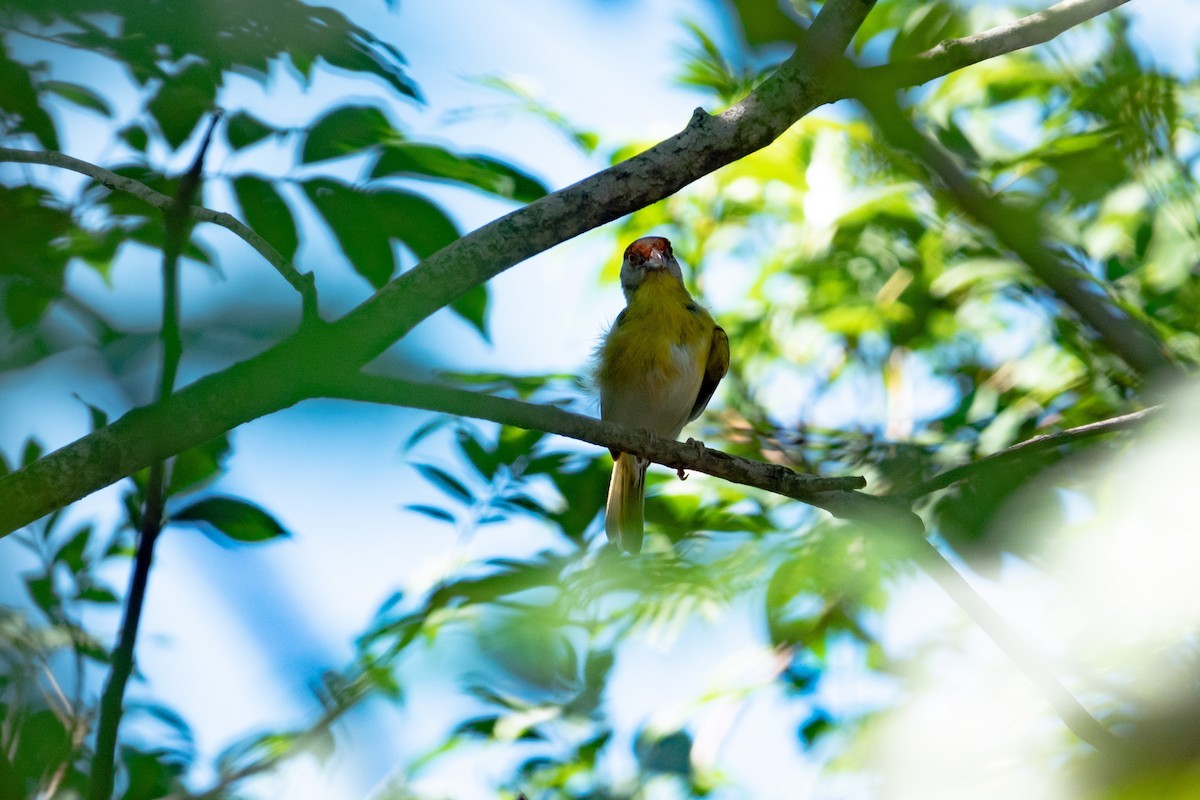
x: 714, y: 370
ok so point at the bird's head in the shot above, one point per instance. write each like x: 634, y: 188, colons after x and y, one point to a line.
x: 646, y: 256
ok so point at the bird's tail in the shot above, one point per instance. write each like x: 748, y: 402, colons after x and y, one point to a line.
x: 623, y: 515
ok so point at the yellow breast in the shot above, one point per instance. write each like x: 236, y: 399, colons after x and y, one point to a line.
x: 652, y: 361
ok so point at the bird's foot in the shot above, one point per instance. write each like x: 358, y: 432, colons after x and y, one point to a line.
x: 696, y: 445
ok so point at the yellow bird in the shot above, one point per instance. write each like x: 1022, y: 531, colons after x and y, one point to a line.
x: 658, y: 367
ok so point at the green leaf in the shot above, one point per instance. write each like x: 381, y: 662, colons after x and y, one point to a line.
x: 433, y: 512
x: 182, y: 100
x: 472, y: 306
x: 72, y: 552
x: 79, y: 95
x: 31, y: 452
x: 243, y: 130
x: 41, y: 591
x: 346, y: 130
x: 194, y: 466
x: 19, y: 104
x: 670, y: 753
x: 446, y: 482
x: 366, y: 222
x: 237, y: 519
x: 98, y: 594
x: 98, y: 416
x: 415, y: 159
x: 267, y: 213
x: 136, y: 137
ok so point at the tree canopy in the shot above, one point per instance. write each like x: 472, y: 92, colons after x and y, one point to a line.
x: 954, y: 247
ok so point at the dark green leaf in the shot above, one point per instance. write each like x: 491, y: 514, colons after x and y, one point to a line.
x: 670, y: 754
x: 346, y: 130
x: 72, y: 552
x: 432, y: 511
x: 267, y: 213
x: 182, y: 100
x: 136, y: 137
x: 446, y: 482
x: 243, y: 130
x: 484, y: 461
x: 196, y: 465
x: 472, y: 306
x: 97, y: 415
x: 41, y: 591
x: 79, y: 95
x: 237, y: 519
x: 19, y: 104
x: 31, y: 452
x: 416, y: 159
x: 98, y: 594
x: 812, y: 728
x: 366, y: 222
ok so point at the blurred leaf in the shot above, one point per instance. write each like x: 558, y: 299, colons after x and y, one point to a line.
x: 153, y: 774
x: 21, y: 112
x: 366, y: 222
x: 433, y: 512
x: 182, y: 100
x: 43, y: 745
x: 925, y: 26
x: 817, y: 724
x: 346, y: 130
x: 72, y: 553
x: 243, y: 129
x: 472, y: 306
x: 670, y: 753
x: 446, y: 482
x: 195, y: 466
x: 79, y: 95
x: 237, y: 519
x: 419, y: 160
x: 31, y: 452
x: 267, y: 213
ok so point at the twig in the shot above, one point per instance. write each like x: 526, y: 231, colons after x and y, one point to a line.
x: 1021, y: 231
x: 835, y: 495
x: 954, y: 54
x: 1042, y: 442
x: 177, y: 217
x: 304, y: 283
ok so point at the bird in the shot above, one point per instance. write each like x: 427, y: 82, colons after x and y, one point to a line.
x: 657, y: 368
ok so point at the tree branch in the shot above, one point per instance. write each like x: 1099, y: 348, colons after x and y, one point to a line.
x: 303, y: 283
x: 835, y: 495
x: 177, y: 224
x: 285, y: 373
x: 1021, y: 231
x: 1045, y: 441
x: 954, y: 54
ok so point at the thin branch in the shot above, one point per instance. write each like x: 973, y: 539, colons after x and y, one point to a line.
x: 954, y: 54
x: 835, y: 495
x: 304, y: 283
x: 1021, y: 231
x: 1045, y: 441
x: 177, y: 224
x: 1068, y: 709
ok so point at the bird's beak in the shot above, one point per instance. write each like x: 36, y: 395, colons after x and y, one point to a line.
x: 656, y: 261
